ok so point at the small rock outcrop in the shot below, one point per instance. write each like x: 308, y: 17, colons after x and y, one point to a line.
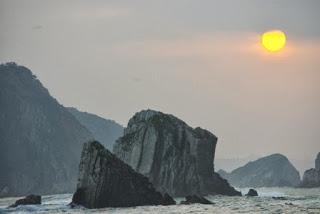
x: 30, y: 199
x: 311, y: 177
x: 252, y: 192
x: 106, y: 181
x: 193, y: 199
x: 270, y: 171
x: 176, y: 158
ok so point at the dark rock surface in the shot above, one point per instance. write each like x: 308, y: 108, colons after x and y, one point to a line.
x: 311, y: 177
x: 270, y: 171
x: 103, y: 130
x: 175, y: 157
x: 317, y: 162
x: 193, y: 199
x: 106, y: 181
x: 252, y: 192
x: 40, y: 143
x: 30, y: 199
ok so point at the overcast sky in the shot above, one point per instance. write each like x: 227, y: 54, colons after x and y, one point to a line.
x: 199, y: 60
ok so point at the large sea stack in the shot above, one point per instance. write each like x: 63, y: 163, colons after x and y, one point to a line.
x: 106, y: 181
x: 176, y: 158
x: 270, y: 171
x: 311, y: 177
x: 40, y: 141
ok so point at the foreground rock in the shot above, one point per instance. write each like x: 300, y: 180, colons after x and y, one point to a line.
x: 175, y: 157
x: 270, y: 171
x: 105, y: 181
x: 193, y: 199
x: 30, y: 199
x: 311, y: 177
x: 252, y: 192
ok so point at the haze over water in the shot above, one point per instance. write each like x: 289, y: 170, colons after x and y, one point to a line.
x: 201, y: 61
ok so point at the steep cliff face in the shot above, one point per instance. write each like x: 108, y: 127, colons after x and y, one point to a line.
x: 40, y: 141
x: 270, y: 171
x: 311, y: 177
x: 103, y: 130
x: 176, y: 158
x: 106, y: 181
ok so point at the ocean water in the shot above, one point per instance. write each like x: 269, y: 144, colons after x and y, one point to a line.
x: 296, y: 201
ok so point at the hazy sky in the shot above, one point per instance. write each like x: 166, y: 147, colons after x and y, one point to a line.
x: 198, y: 60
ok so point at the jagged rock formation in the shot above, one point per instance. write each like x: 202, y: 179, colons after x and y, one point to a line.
x: 40, y: 141
x: 175, y: 157
x: 270, y: 171
x: 103, y: 130
x: 311, y: 177
x: 30, y: 199
x: 106, y: 181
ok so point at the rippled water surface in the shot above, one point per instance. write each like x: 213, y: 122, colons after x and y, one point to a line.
x: 295, y: 201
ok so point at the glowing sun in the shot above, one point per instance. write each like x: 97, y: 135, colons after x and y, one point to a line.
x: 274, y: 41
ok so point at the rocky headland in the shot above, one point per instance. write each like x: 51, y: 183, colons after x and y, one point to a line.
x: 41, y: 141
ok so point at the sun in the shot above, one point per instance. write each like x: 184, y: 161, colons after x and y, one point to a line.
x: 274, y: 40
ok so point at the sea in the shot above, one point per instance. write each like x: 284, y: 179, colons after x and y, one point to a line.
x: 270, y: 200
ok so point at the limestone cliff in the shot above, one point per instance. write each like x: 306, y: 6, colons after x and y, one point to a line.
x: 175, y: 157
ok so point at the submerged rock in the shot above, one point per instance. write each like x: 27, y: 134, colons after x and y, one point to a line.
x: 311, y: 177
x: 175, y: 157
x: 270, y: 171
x: 252, y: 192
x: 30, y: 199
x: 106, y: 181
x: 193, y: 199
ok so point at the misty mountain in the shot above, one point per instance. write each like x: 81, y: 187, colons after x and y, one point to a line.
x: 103, y: 130
x: 229, y: 164
x: 270, y: 171
x: 40, y: 140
